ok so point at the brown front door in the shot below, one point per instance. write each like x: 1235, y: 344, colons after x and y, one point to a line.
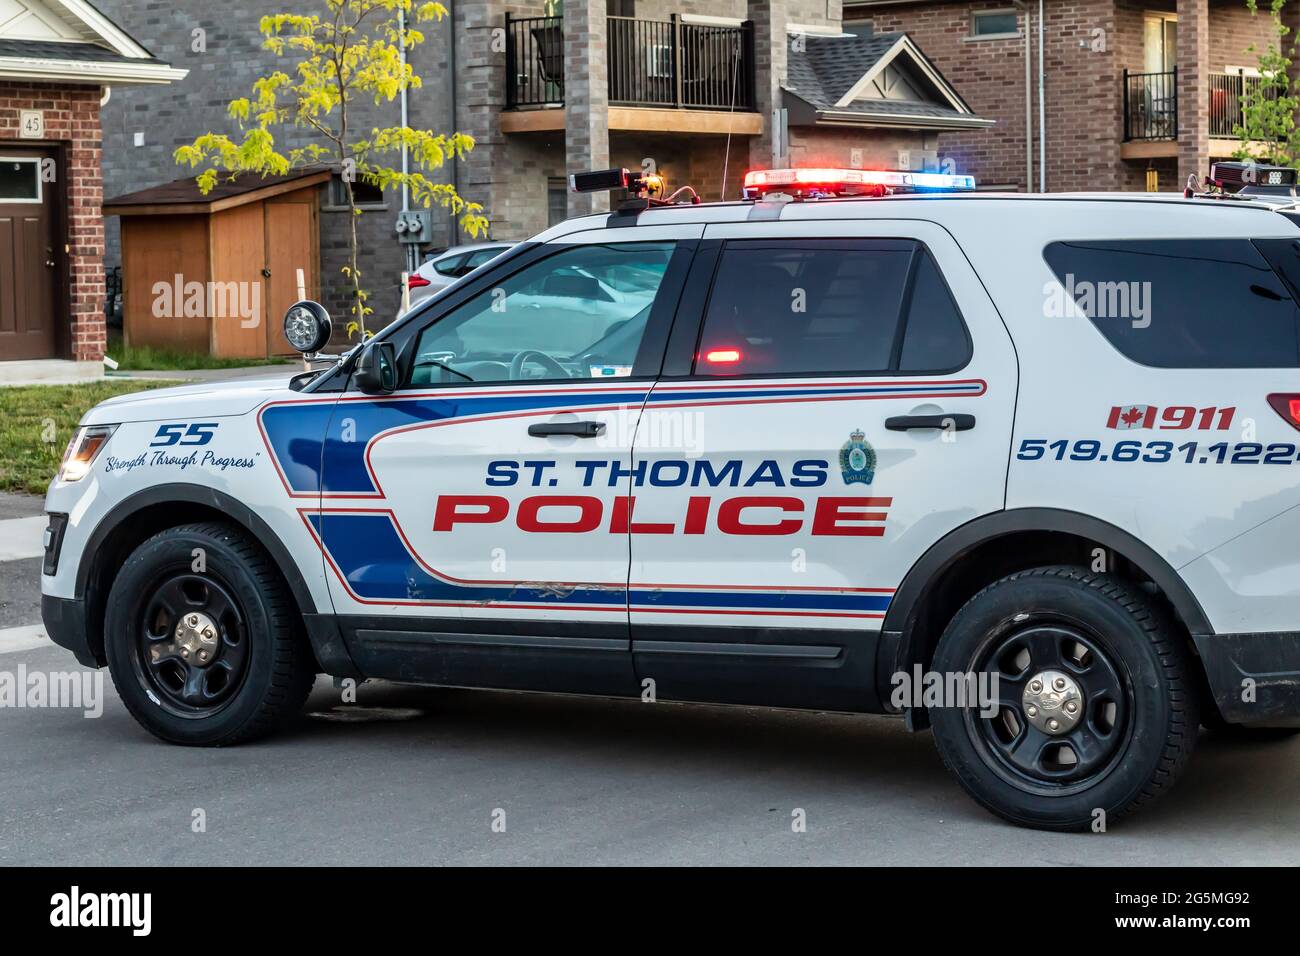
x: 28, y: 265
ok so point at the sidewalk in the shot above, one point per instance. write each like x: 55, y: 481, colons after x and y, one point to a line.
x: 20, y: 506
x: 22, y: 535
x: 210, y: 374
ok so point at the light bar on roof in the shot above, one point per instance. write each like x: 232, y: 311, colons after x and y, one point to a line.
x: 830, y: 181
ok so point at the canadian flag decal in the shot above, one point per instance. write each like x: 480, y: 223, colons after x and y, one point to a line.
x: 1131, y: 416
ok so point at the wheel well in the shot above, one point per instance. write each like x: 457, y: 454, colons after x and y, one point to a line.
x: 133, y: 530
x: 995, y: 558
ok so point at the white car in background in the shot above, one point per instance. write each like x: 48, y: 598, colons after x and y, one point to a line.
x: 445, y: 268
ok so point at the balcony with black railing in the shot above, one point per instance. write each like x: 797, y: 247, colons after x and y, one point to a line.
x: 1151, y: 105
x: 652, y: 63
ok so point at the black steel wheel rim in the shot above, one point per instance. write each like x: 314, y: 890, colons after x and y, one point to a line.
x: 1030, y: 756
x: 188, y: 674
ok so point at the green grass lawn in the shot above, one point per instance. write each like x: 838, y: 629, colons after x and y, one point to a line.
x: 36, y: 422
x: 146, y: 357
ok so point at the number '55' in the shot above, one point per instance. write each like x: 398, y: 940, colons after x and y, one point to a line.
x: 199, y: 433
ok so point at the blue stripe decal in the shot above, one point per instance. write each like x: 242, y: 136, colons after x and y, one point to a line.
x: 290, y: 427
x: 358, y: 422
x: 378, y: 566
x: 845, y: 602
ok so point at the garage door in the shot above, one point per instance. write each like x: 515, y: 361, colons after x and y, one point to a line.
x: 27, y: 259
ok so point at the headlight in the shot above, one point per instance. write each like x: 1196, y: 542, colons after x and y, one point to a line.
x: 81, y: 452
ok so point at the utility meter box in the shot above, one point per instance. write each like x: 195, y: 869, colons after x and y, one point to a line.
x: 415, y: 226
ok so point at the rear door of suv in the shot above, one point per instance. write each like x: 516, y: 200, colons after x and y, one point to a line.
x: 836, y: 397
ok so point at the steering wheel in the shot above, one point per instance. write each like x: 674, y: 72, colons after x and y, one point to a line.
x: 541, y: 358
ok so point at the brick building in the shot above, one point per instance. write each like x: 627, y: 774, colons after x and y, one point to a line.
x: 58, y: 61
x: 1098, y: 95
x: 697, y: 90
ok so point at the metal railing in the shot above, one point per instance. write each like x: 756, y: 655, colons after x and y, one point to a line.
x: 1226, y: 91
x: 664, y: 63
x: 1150, y: 106
x: 534, y: 61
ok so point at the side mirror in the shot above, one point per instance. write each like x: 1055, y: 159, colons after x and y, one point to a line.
x: 307, y: 326
x: 376, y: 370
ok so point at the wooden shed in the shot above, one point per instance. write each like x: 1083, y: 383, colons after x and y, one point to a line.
x: 215, y: 273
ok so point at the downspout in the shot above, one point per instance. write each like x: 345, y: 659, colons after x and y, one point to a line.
x: 455, y: 117
x: 411, y: 249
x: 1029, y: 100
x: 1042, y: 107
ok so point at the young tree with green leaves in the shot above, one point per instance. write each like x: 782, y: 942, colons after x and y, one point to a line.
x: 1267, y: 130
x: 348, y: 50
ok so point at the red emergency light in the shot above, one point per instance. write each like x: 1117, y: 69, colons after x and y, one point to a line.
x: 820, y: 182
x: 722, y: 356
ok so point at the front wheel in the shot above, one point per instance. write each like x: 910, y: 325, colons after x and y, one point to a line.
x: 203, y: 640
x: 1094, y: 713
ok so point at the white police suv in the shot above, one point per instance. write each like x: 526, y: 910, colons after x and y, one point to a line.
x: 1023, y: 469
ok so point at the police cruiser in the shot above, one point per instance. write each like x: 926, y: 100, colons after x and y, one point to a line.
x: 856, y: 443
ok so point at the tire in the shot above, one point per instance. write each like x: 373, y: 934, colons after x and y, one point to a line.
x: 1117, y: 656
x: 206, y: 655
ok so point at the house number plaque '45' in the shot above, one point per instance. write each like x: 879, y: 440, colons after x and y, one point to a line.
x: 32, y: 124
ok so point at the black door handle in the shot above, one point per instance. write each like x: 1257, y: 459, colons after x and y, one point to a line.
x: 957, y: 423
x: 577, y: 429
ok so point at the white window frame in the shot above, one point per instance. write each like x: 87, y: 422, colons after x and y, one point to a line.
x: 40, y: 186
x: 329, y: 205
x: 976, y: 15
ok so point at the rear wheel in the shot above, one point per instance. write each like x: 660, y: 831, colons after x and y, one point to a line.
x: 203, y: 640
x: 1094, y: 712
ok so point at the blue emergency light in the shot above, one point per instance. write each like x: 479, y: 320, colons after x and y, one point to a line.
x: 824, y: 182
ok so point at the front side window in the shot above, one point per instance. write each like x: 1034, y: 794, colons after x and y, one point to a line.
x: 829, y: 306
x: 579, y: 314
x: 1179, y: 303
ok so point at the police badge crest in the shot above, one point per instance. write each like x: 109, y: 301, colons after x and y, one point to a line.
x: 857, y: 459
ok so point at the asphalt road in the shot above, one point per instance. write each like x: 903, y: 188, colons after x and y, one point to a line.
x: 419, y: 776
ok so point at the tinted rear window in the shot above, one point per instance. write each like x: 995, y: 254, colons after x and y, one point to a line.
x: 1178, y: 303
x: 826, y: 306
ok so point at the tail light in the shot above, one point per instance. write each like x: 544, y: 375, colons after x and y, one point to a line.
x: 416, y: 281
x: 1287, y: 404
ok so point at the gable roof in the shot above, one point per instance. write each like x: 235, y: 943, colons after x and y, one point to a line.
x: 845, y: 80
x: 71, y: 41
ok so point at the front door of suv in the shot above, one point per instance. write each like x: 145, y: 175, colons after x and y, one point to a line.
x: 472, y: 520
x: 841, y: 401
